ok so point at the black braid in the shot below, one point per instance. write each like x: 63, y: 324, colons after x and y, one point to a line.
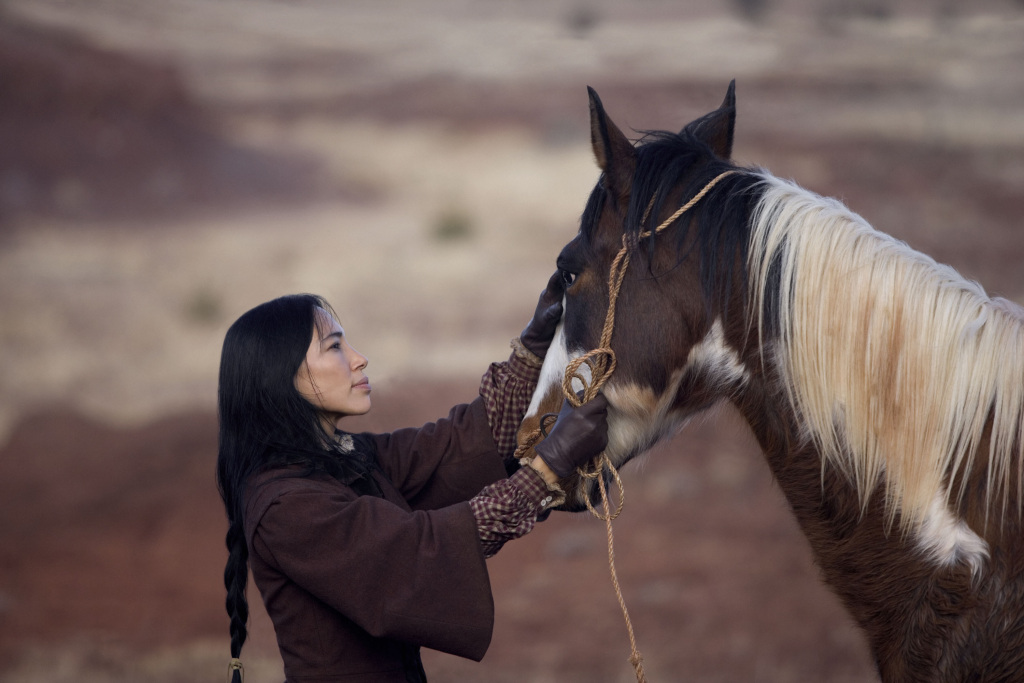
x: 236, y: 575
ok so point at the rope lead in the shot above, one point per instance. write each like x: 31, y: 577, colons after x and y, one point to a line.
x: 601, y: 362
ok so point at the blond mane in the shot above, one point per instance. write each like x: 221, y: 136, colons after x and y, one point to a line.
x: 895, y: 364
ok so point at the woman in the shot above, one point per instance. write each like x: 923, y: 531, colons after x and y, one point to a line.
x: 367, y: 546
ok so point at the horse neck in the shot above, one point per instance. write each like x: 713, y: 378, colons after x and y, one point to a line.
x: 824, y: 503
x: 826, y: 508
x: 890, y: 588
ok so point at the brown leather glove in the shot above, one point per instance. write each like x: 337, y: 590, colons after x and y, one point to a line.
x: 537, y: 334
x: 578, y: 436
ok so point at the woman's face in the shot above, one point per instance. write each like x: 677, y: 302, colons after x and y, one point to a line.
x: 332, y: 377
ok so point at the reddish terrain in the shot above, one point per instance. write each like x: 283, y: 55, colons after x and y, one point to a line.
x: 111, y: 542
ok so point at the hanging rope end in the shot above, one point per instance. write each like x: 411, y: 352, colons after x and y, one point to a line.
x: 637, y: 660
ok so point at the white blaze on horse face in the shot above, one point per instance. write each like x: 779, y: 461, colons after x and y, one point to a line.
x: 947, y: 540
x: 552, y: 371
x: 717, y: 360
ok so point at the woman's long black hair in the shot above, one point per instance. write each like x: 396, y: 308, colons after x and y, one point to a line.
x: 265, y: 423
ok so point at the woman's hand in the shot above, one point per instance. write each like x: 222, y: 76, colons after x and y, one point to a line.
x: 537, y: 334
x: 578, y: 436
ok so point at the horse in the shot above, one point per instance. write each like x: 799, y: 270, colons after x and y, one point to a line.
x: 885, y: 390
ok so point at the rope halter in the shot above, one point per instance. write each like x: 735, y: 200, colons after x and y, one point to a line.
x: 601, y: 362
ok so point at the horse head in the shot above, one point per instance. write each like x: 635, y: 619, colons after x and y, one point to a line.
x: 677, y: 330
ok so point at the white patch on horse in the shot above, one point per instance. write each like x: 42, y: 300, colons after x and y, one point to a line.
x: 552, y: 371
x: 717, y: 359
x: 947, y: 540
x: 639, y: 418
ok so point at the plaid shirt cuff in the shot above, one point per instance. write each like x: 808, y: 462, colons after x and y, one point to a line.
x: 509, y: 508
x: 507, y: 389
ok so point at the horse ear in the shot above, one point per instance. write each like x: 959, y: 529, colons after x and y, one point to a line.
x: 615, y: 155
x: 716, y: 129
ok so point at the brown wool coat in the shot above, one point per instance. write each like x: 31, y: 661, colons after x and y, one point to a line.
x: 347, y: 579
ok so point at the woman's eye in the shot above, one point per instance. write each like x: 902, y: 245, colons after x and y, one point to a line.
x: 568, y: 278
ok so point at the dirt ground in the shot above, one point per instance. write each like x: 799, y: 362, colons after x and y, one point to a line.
x: 165, y: 166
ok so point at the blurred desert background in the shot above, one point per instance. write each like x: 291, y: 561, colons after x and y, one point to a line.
x: 164, y: 166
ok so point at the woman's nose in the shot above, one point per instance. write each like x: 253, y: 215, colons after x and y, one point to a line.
x: 359, y: 361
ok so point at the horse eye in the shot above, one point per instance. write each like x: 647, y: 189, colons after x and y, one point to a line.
x: 568, y: 278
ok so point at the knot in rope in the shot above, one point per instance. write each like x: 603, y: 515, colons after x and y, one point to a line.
x: 603, y: 463
x: 601, y: 362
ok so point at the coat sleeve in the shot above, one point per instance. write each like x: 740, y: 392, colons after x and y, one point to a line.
x: 443, y: 462
x: 414, y: 576
x: 452, y: 459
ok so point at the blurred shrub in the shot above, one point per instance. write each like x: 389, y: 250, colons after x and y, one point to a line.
x: 835, y: 12
x: 753, y: 11
x: 204, y: 307
x: 582, y: 19
x: 453, y: 225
